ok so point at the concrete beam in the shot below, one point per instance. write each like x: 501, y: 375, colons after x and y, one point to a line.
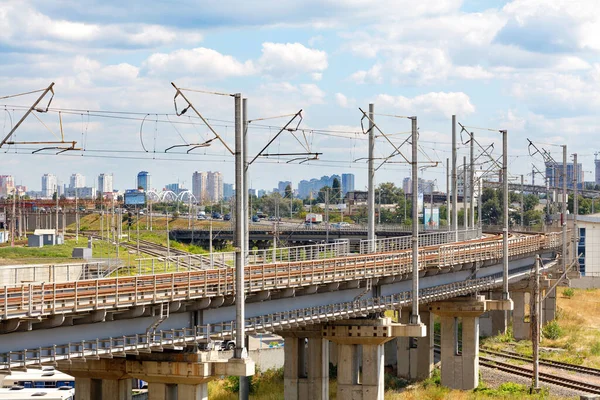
x: 369, y: 331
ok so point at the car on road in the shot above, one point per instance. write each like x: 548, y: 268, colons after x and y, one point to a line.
x: 255, y: 218
x: 227, y: 217
x: 273, y: 218
x: 224, y: 344
x: 216, y: 215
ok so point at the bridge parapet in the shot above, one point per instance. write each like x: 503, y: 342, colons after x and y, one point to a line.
x: 42, y: 300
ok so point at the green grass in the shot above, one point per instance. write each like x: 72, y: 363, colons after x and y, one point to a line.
x: 59, y: 253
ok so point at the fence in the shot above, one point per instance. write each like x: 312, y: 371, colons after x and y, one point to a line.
x: 428, y: 239
x: 37, y: 300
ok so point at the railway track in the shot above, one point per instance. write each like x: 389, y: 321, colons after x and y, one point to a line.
x: 544, y: 377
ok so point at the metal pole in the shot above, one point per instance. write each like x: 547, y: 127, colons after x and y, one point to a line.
x: 371, y: 181
x: 56, y: 225
x: 76, y: 218
x: 137, y: 228
x: 240, y: 242
x: 465, y: 208
x: 454, y: 184
x: 13, y: 220
x: 472, y: 182
x: 535, y: 326
x: 246, y: 187
x: 168, y: 241
x: 414, y: 318
x: 448, y: 205
x: 575, y: 205
x: 505, y: 294
x: 564, y: 209
x: 326, y: 215
x: 522, y: 204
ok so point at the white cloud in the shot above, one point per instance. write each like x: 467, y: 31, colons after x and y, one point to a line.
x: 203, y: 62
x: 290, y: 59
x: 372, y: 75
x: 344, y: 101
x: 440, y: 104
x: 24, y: 26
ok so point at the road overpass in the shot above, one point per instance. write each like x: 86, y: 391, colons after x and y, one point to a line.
x: 131, y: 324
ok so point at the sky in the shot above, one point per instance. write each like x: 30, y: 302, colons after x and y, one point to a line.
x: 531, y: 67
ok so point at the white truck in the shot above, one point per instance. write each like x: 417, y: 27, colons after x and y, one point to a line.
x: 312, y: 218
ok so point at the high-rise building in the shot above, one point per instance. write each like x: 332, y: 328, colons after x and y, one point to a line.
x: 425, y: 186
x: 76, y: 181
x: 143, y: 180
x: 312, y: 187
x: 105, y: 183
x: 7, y: 185
x: 175, y: 188
x: 554, y: 174
x: 347, y: 183
x: 214, y: 183
x: 227, y: 190
x: 49, y: 185
x: 199, y: 182
x: 282, y: 185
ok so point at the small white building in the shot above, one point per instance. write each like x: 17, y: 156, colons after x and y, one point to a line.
x: 589, y: 244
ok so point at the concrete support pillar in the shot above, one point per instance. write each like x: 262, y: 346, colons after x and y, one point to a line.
x: 192, y: 392
x: 460, y: 371
x: 549, y: 308
x: 117, y: 389
x: 493, y: 322
x: 161, y: 391
x: 306, y: 368
x: 97, y: 389
x: 521, y: 330
x: 415, y: 355
x: 318, y: 369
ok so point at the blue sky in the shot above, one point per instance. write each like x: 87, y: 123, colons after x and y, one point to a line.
x: 529, y: 66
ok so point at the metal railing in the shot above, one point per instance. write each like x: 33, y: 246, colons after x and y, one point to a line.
x: 299, y: 253
x: 178, y: 339
x: 37, y: 300
x: 427, y: 239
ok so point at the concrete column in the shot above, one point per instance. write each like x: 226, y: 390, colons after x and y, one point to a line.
x: 460, y: 371
x: 161, y: 391
x: 372, y: 372
x: 347, y: 379
x: 291, y: 371
x: 493, y: 322
x: 521, y: 329
x: 549, y: 308
x: 192, y: 392
x: 318, y: 369
x: 87, y: 389
x: 117, y: 389
x: 415, y: 355
x: 333, y: 353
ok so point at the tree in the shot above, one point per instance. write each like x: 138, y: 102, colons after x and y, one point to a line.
x: 390, y: 194
x: 288, y: 192
x: 530, y: 201
x: 54, y: 196
x: 322, y: 197
x: 336, y: 193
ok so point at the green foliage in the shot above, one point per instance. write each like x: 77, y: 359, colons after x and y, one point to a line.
x: 392, y: 382
x: 332, y: 371
x: 434, y: 380
x: 552, y: 330
x: 568, y: 293
x: 595, y: 349
x: 232, y: 384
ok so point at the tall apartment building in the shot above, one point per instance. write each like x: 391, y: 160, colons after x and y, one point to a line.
x: 49, y: 185
x: 312, y: 187
x: 227, y: 190
x: 214, y: 184
x: 7, y: 185
x: 347, y: 183
x: 425, y: 186
x: 199, y: 182
x: 143, y: 180
x: 207, y: 186
x: 105, y: 183
x: 554, y: 173
x: 76, y: 181
x: 282, y: 185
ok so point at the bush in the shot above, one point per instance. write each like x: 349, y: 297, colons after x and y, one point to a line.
x: 232, y: 384
x: 595, y: 349
x: 552, y: 330
x: 568, y: 293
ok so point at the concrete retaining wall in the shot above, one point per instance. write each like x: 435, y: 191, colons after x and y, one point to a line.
x: 586, y: 282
